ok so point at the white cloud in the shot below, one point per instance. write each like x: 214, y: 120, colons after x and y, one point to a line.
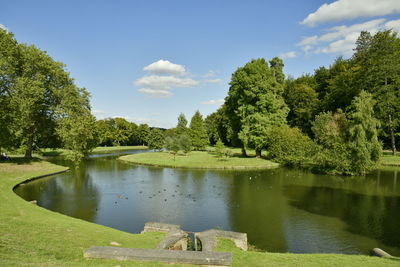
x: 166, y: 67
x: 291, y: 54
x: 351, y: 9
x: 163, y: 76
x: 393, y: 24
x: 165, y: 82
x: 214, y: 102
x: 213, y: 81
x: 158, y: 93
x: 210, y: 73
x: 3, y: 27
x: 341, y: 39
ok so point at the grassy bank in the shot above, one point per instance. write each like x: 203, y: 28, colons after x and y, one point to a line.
x: 33, y: 236
x: 389, y: 160
x: 198, y: 159
x: 253, y: 258
x: 48, y: 152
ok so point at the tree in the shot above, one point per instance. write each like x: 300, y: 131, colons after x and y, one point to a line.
x: 289, y: 146
x: 172, y: 145
x: 142, y: 133
x: 185, y: 143
x: 363, y: 135
x: 10, y: 58
x: 122, y: 131
x: 378, y: 57
x: 76, y: 124
x: 218, y: 127
x: 198, y: 133
x: 219, y: 148
x: 277, y: 69
x: 255, y: 104
x: 156, y: 139
x: 181, y: 127
x: 303, y: 102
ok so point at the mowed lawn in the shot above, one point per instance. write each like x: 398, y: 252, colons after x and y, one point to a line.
x: 198, y: 159
x: 388, y: 159
x: 33, y: 236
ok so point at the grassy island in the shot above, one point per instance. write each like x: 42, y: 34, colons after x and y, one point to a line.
x: 33, y: 236
x: 200, y: 160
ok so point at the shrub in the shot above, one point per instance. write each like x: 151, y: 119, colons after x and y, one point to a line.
x: 289, y: 146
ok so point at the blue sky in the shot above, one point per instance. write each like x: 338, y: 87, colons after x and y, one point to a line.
x: 148, y: 61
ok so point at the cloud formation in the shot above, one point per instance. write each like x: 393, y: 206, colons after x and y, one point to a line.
x: 159, y: 93
x: 163, y: 76
x: 350, y: 9
x: 214, y: 102
x: 342, y: 39
x: 291, y: 54
x: 165, y: 82
x: 165, y: 67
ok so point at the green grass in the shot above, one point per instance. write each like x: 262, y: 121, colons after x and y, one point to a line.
x: 33, y: 236
x: 389, y: 160
x: 198, y: 159
x: 253, y: 258
x: 48, y: 152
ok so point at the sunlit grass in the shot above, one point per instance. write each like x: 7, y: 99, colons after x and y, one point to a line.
x: 199, y: 159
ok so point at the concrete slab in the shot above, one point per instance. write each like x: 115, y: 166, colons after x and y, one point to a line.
x: 173, y: 237
x: 208, y: 239
x: 159, y: 227
x: 169, y: 256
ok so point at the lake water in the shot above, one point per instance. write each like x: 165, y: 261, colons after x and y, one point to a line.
x: 281, y: 210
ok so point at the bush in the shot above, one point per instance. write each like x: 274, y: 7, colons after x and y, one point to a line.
x: 289, y: 146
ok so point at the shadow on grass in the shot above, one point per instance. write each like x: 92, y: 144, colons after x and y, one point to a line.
x: 51, y: 153
x: 20, y: 160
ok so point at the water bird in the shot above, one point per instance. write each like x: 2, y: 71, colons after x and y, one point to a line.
x: 165, y: 199
x: 140, y: 192
x: 149, y: 197
x: 159, y: 191
x: 115, y: 202
x: 173, y: 195
x: 154, y: 195
x: 165, y: 189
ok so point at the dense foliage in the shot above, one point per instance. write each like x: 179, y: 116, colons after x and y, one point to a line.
x: 40, y: 106
x: 198, y: 132
x: 348, y: 110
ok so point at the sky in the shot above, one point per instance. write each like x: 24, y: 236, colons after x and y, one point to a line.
x: 149, y: 61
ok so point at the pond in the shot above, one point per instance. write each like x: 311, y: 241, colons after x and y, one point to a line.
x: 281, y: 210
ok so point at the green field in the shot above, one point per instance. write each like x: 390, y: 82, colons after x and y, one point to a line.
x: 33, y: 236
x: 389, y: 160
x: 198, y: 159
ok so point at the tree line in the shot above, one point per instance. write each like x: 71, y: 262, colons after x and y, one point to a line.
x: 40, y: 105
x: 334, y: 120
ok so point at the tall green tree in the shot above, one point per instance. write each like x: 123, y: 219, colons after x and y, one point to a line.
x: 10, y: 58
x: 303, y: 103
x: 143, y: 132
x: 156, y: 139
x: 277, y: 69
x: 181, y: 127
x: 76, y: 124
x: 36, y: 93
x: 198, y: 132
x: 378, y: 57
x: 255, y: 104
x: 363, y: 135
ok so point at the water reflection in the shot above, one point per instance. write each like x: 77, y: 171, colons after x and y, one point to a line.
x: 281, y: 210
